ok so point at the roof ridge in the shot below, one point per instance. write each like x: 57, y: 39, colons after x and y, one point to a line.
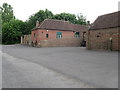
x: 41, y: 24
x: 106, y: 21
x: 57, y: 20
x: 79, y: 24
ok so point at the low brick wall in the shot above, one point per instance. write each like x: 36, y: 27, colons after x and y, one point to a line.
x: 100, y: 39
x: 65, y: 42
x: 26, y: 39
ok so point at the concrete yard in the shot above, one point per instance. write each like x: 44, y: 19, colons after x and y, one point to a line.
x: 58, y: 67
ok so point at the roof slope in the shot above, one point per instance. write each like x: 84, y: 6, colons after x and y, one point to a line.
x: 106, y: 21
x: 52, y: 24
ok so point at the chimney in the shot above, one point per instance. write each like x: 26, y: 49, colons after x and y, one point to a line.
x: 37, y: 24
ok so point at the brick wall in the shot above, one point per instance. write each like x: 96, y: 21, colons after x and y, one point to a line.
x: 39, y: 36
x: 26, y: 39
x: 64, y: 42
x: 100, y: 39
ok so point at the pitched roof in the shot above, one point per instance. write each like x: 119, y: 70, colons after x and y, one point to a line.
x: 77, y: 27
x: 106, y: 21
x: 53, y: 24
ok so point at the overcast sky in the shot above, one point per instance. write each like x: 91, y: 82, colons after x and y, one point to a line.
x: 89, y: 8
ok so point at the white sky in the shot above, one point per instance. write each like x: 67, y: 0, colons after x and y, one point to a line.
x: 89, y: 8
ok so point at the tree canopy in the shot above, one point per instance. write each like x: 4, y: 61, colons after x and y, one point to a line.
x: 7, y: 12
x: 12, y: 31
x: 66, y: 17
x: 39, y: 16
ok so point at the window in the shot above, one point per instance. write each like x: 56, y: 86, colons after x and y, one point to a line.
x: 97, y: 36
x: 84, y: 35
x: 47, y: 35
x: 34, y: 35
x: 59, y: 35
x: 77, y: 34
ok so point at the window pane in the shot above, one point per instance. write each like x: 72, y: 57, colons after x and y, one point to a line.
x: 77, y: 34
x: 59, y: 35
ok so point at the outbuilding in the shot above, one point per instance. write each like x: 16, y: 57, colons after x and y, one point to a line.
x: 104, y: 32
x: 52, y: 32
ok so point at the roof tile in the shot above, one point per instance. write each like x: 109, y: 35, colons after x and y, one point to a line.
x: 106, y: 21
x: 53, y: 24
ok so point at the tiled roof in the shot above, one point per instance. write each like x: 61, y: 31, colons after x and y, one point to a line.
x: 106, y: 21
x: 52, y: 24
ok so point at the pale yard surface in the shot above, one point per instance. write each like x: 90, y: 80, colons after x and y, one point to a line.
x: 25, y: 66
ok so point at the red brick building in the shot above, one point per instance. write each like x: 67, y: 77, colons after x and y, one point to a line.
x: 58, y: 33
x: 104, y: 32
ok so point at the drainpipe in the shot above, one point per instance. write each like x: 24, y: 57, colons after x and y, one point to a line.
x: 111, y: 43
x: 88, y: 39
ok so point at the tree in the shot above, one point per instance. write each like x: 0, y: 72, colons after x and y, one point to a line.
x: 75, y: 19
x: 12, y: 31
x: 48, y: 14
x: 66, y: 17
x: 81, y: 19
x: 40, y: 16
x: 7, y: 12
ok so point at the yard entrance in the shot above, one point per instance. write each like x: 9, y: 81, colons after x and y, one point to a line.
x: 84, y: 39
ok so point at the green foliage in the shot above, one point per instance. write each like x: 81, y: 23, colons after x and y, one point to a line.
x: 40, y: 16
x: 7, y: 12
x: 66, y: 17
x: 75, y: 19
x: 81, y: 19
x: 12, y: 31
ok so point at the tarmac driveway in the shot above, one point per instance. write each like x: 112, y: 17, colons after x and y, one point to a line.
x: 96, y: 68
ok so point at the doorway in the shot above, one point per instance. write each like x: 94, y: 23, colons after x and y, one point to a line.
x: 84, y: 40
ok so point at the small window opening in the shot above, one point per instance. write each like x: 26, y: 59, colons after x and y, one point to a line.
x: 47, y: 35
x: 77, y: 35
x: 34, y: 35
x: 98, y: 36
